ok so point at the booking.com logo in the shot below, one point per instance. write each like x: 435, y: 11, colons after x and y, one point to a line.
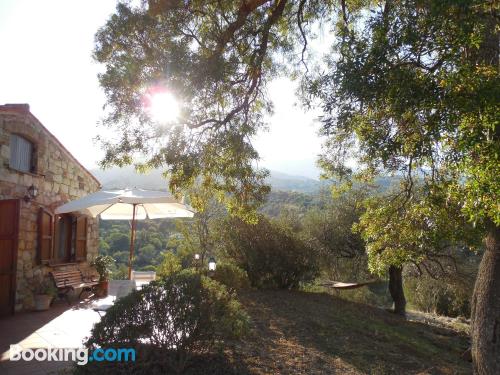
x: 79, y: 355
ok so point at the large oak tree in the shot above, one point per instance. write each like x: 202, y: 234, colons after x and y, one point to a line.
x: 411, y: 87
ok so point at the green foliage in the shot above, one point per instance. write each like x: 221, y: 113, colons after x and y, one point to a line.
x: 412, y: 228
x: 271, y: 254
x: 118, y: 240
x: 145, y: 255
x: 104, y: 266
x: 412, y: 89
x: 182, y: 237
x: 342, y: 252
x: 169, y: 265
x: 446, y: 288
x: 103, y: 247
x: 330, y: 227
x: 119, y: 272
x: 169, y: 321
x: 277, y: 201
x: 230, y: 275
x: 152, y: 239
x: 201, y: 145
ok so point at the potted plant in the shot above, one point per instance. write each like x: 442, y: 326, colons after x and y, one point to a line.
x: 103, y: 265
x: 44, y: 292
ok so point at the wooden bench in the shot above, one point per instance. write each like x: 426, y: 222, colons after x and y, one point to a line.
x: 68, y: 280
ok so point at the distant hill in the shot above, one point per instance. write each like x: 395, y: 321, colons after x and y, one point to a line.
x: 285, y: 182
x: 116, y: 178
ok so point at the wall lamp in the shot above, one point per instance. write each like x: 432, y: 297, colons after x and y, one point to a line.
x: 31, y: 193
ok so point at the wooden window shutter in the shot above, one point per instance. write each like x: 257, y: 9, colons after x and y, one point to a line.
x: 45, y: 235
x: 81, y: 239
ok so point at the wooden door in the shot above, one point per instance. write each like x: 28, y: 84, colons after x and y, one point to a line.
x: 9, y: 225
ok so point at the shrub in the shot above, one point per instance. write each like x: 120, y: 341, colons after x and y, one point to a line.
x: 442, y: 297
x: 271, y: 254
x: 233, y: 277
x: 169, y: 321
x: 104, y: 266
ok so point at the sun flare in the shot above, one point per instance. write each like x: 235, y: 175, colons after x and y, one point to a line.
x: 163, y: 107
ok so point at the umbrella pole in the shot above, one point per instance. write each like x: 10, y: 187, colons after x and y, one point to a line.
x: 132, y: 238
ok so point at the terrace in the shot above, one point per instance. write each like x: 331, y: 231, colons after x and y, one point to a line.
x: 62, y: 326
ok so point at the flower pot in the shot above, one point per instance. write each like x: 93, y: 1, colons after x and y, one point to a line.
x: 42, y: 302
x: 102, y: 290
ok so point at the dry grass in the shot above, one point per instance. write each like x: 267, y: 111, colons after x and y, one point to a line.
x: 314, y: 333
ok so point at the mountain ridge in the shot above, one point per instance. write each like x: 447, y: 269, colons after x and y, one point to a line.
x: 119, y: 178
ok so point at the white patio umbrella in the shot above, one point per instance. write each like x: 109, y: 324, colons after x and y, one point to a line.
x: 128, y: 204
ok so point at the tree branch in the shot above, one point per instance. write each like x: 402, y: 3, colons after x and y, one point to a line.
x: 255, y: 68
x: 300, y: 21
x: 245, y: 9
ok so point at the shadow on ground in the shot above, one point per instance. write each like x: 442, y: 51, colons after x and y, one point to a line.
x: 304, y: 333
x: 315, y: 333
x: 156, y: 362
x: 16, y: 328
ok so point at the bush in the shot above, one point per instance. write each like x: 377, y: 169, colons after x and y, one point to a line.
x: 104, y: 265
x: 233, y: 277
x: 271, y: 254
x: 168, y: 322
x: 440, y: 296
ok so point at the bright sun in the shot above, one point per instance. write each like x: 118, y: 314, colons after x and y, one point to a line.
x: 163, y: 107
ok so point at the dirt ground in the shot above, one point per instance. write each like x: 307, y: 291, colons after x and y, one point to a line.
x: 315, y: 333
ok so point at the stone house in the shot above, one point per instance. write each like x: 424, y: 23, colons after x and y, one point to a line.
x: 37, y: 174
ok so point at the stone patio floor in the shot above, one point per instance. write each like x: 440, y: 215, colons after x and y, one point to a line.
x: 62, y: 326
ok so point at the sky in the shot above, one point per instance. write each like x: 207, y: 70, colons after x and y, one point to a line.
x: 46, y: 62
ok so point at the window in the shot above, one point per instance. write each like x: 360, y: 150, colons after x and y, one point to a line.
x: 64, y: 249
x: 22, y: 154
x: 61, y: 239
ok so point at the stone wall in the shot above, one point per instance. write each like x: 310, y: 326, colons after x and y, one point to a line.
x: 59, y: 178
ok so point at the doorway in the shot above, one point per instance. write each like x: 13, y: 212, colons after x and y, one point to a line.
x: 9, y: 234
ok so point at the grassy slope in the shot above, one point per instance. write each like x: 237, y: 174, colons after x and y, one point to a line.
x: 308, y: 333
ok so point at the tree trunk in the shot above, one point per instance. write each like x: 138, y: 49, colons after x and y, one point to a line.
x: 485, y: 319
x: 396, y: 289
x: 485, y: 314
